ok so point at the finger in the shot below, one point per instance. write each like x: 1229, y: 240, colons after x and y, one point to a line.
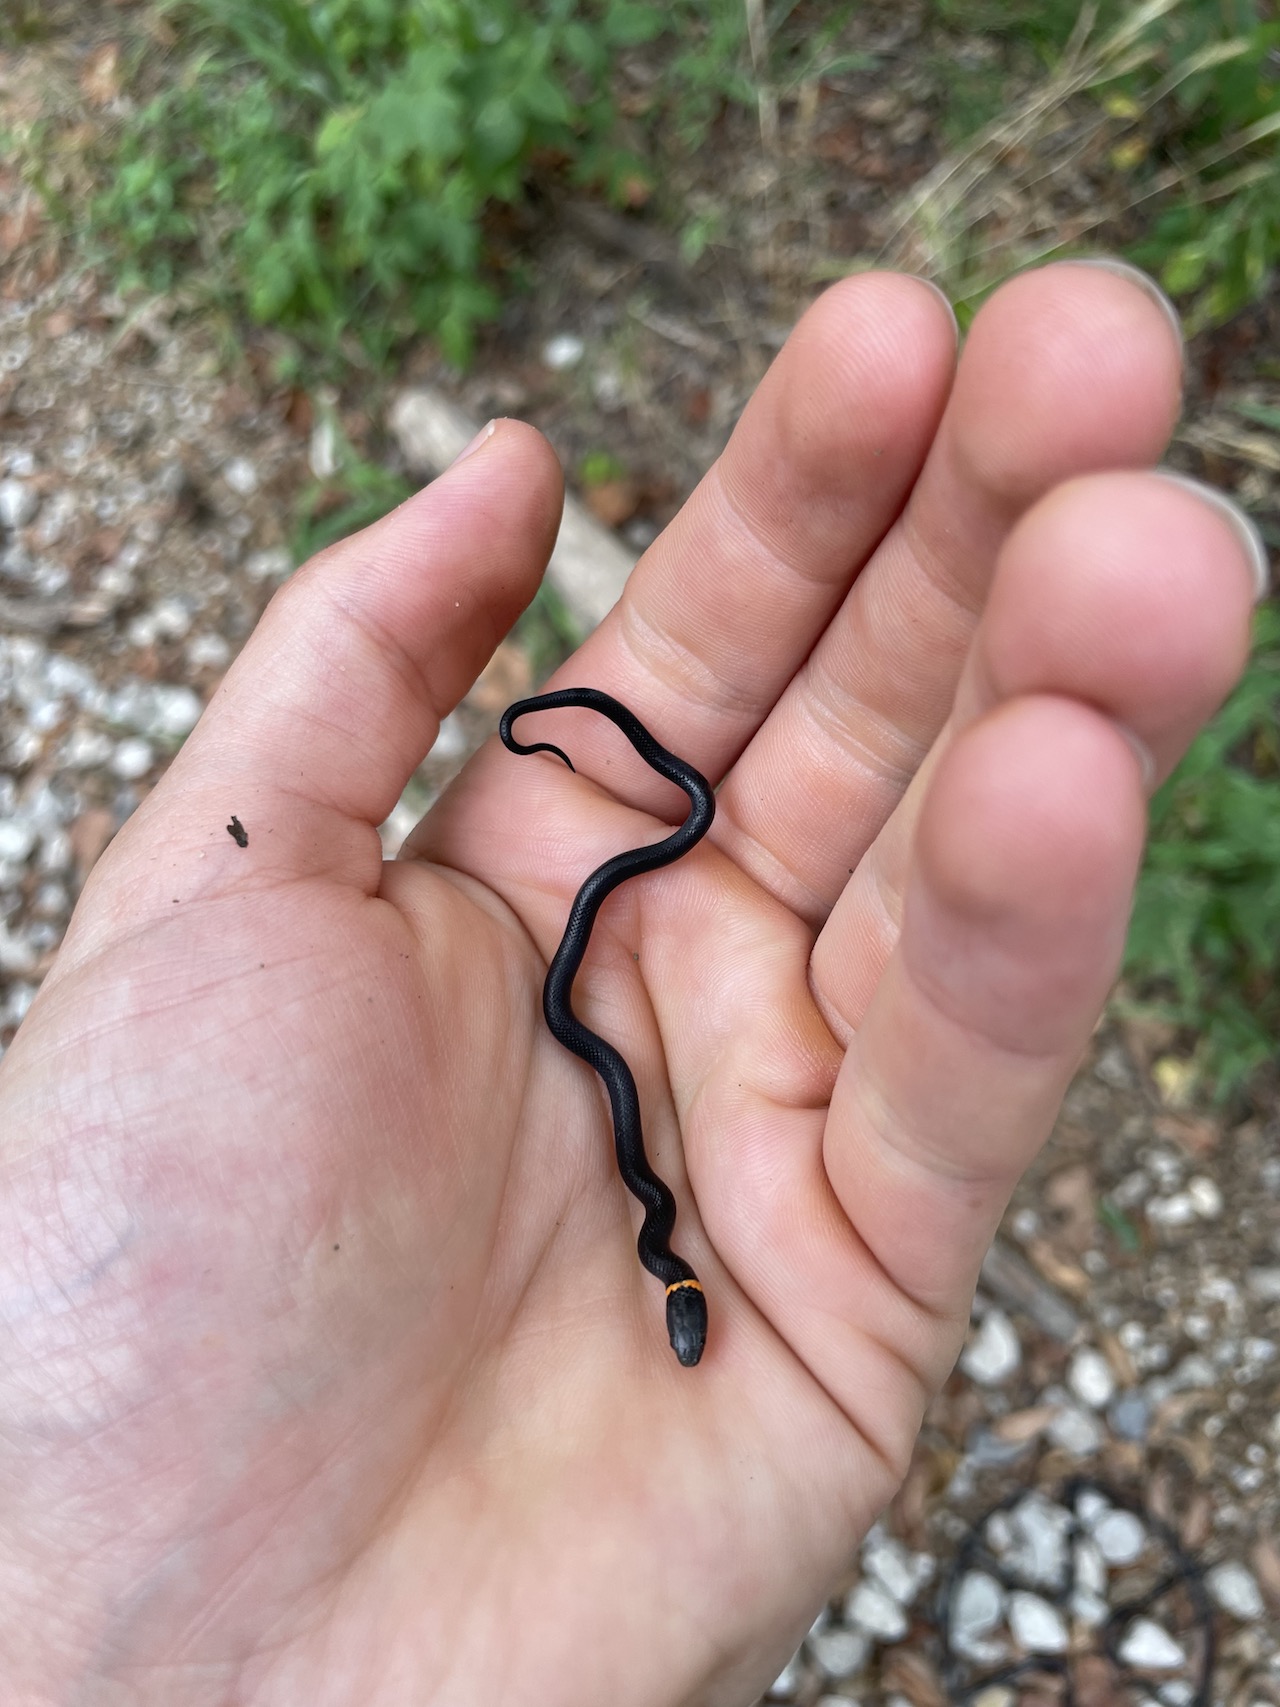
x: 725, y: 605
x: 857, y: 1229
x: 1129, y: 592
x: 341, y: 689
x: 1067, y: 369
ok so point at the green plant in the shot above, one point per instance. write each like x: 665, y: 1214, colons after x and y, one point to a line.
x: 1204, y: 946
x: 329, y: 163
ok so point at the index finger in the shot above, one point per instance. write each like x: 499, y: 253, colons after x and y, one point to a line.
x: 725, y: 606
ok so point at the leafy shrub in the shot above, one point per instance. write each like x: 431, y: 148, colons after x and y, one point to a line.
x: 1204, y: 947
x: 329, y: 162
x: 1216, y: 241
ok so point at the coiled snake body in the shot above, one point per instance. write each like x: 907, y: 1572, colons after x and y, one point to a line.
x: 686, y: 1305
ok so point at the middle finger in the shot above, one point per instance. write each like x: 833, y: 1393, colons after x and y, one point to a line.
x: 1068, y: 370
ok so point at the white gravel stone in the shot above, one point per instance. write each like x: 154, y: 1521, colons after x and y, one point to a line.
x: 1089, y: 1609
x: 1176, y: 1211
x: 17, y: 840
x: 876, y: 1614
x: 977, y: 1608
x: 1206, y: 1199
x: 1147, y: 1647
x: 1178, y: 1692
x: 839, y: 1653
x: 1120, y: 1538
x: 1264, y: 1283
x: 132, y: 759
x: 1039, y: 1542
x: 18, y: 504
x: 1235, y: 1590
x: 1037, y: 1627
x: 993, y: 1354
x: 892, y: 1566
x: 241, y: 476
x: 1090, y: 1378
x: 1076, y: 1431
x: 176, y: 710
x: 274, y: 564
x: 208, y: 651
x: 1090, y: 1567
x: 86, y: 749
x: 1193, y: 1375
x: 564, y: 351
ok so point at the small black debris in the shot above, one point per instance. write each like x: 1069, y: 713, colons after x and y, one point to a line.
x: 236, y: 830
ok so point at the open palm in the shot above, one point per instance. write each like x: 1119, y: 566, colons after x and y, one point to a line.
x: 328, y: 1373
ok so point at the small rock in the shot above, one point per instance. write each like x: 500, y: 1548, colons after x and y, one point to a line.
x: 176, y: 711
x: 1038, y: 1547
x: 241, y: 476
x: 1090, y: 1568
x: 978, y: 1607
x: 1146, y: 1647
x: 1206, y: 1199
x: 1120, y: 1538
x: 132, y: 759
x: 17, y: 840
x: 1130, y: 1416
x: 875, y: 1613
x: 1264, y: 1283
x: 1037, y: 1627
x: 564, y: 351
x: 1194, y: 1374
x: 993, y: 1354
x: 892, y: 1566
x: 208, y: 652
x: 274, y: 564
x: 839, y: 1653
x: 1234, y: 1588
x: 1091, y: 1379
x: 1175, y: 1211
x: 86, y: 749
x: 1178, y: 1692
x: 18, y: 504
x: 1076, y: 1431
x: 995, y: 1695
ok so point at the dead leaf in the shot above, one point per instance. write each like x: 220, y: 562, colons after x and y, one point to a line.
x: 910, y: 1674
x: 1067, y: 1276
x: 1024, y: 1425
x: 100, y: 79
x: 1265, y: 1559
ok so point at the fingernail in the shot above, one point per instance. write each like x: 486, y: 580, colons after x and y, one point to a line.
x: 1141, y: 752
x: 1136, y: 276
x: 942, y: 297
x: 481, y: 437
x: 1250, y: 539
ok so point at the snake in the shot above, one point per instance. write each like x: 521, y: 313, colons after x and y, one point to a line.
x: 685, y: 1301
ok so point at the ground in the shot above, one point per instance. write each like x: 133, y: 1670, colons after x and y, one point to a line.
x: 1128, y: 1325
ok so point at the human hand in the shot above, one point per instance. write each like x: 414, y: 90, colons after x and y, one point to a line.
x: 327, y: 1370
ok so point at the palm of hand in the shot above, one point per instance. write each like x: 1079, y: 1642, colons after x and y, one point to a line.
x: 363, y: 1390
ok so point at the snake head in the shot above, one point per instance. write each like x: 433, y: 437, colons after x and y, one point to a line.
x: 687, y: 1322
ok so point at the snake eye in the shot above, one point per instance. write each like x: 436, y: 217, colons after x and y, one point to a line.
x: 687, y: 1323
